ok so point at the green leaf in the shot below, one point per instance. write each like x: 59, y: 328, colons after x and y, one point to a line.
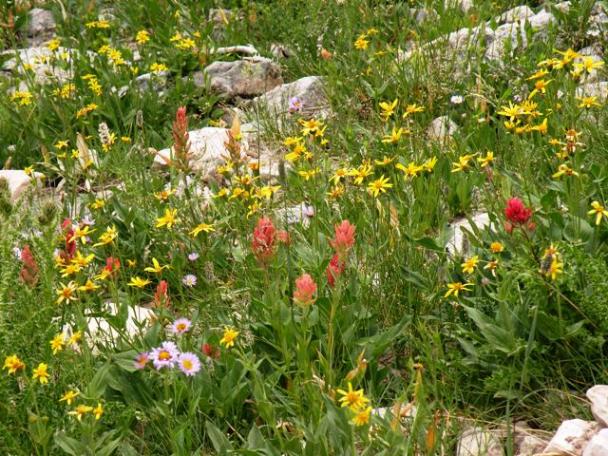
x: 220, y: 442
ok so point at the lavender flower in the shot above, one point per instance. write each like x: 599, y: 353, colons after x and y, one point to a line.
x: 193, y: 256
x: 189, y: 280
x: 180, y: 326
x: 164, y: 356
x: 189, y: 363
x: 141, y: 360
x: 295, y: 105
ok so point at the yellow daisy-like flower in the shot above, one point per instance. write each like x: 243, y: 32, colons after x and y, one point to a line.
x: 142, y: 37
x: 388, y: 108
x: 379, y: 186
x: 456, y: 287
x: 599, y: 211
x: 13, y: 364
x: 468, y: 267
x: 98, y: 411
x: 230, y: 335
x: 66, y: 293
x: 69, y: 397
x: 107, y: 237
x: 81, y: 411
x: 167, y: 220
x: 353, y: 399
x: 202, y: 227
x: 57, y: 343
x: 41, y: 373
x: 156, y: 268
x: 496, y: 247
x: 362, y: 417
x: 138, y: 282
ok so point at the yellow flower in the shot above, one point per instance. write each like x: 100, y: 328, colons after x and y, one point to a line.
x: 411, y: 170
x: 28, y: 170
x: 80, y: 411
x: 496, y: 247
x: 158, y: 67
x: 468, y: 267
x: 107, y: 237
x: 394, y: 136
x: 98, y: 204
x: 542, y: 127
x: 142, y: 37
x: 53, y: 45
x: 379, y: 186
x: 69, y: 397
x: 230, y: 335
x: 588, y: 102
x: 307, y: 175
x: 353, y: 399
x: 362, y: 417
x: 463, y: 163
x: 540, y: 86
x: 586, y: 66
x: 167, y: 220
x: 487, y: 160
x: 360, y: 173
x: 88, y: 286
x: 138, y: 282
x: 12, y: 363
x: 555, y: 268
x: 429, y: 165
x: 412, y: 109
x: 57, y: 343
x: 456, y: 287
x: 22, y: 97
x: 599, y: 212
x: 385, y: 161
x: 41, y: 373
x: 539, y: 74
x: 362, y: 42
x: 388, y: 108
x: 98, y: 411
x: 511, y: 111
x: 564, y: 170
x: 568, y: 56
x: 75, y: 338
x: 156, y: 268
x: 66, y: 293
x: 206, y: 227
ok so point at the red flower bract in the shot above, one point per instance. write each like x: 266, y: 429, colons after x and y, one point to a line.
x: 264, y: 237
x: 516, y: 212
x: 29, y: 271
x: 306, y: 288
x: 344, y: 237
x: 334, y: 269
x: 161, y: 296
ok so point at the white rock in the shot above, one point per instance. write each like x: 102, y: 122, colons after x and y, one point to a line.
x: 441, y: 129
x: 478, y: 442
x: 598, y: 445
x: 461, y: 227
x: 516, y: 14
x: 41, y: 25
x: 541, y: 20
x: 280, y: 51
x: 147, y: 81
x: 207, y: 147
x: 47, y: 65
x: 571, y: 437
x: 593, y: 89
x: 310, y: 91
x: 19, y: 181
x: 246, y: 49
x: 598, y: 395
x: 508, y: 36
x: 302, y: 213
x: 564, y: 7
x: 247, y: 77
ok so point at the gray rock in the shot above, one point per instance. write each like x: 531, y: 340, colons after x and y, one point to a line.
x: 246, y: 49
x: 508, y: 36
x: 422, y: 15
x: 563, y: 7
x: 280, y: 51
x: 460, y: 228
x: 246, y: 78
x: 518, y: 13
x: 19, y: 182
x: 309, y: 91
x: 541, y: 20
x: 477, y: 441
x: 41, y: 26
x: 529, y: 445
x: 572, y: 437
x: 46, y: 65
x: 147, y: 81
x: 221, y: 16
x: 598, y: 395
x: 463, y: 5
x: 598, y: 445
x: 593, y: 89
x: 441, y: 129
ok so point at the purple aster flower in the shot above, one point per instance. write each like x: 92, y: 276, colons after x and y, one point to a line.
x: 141, y: 360
x: 193, y: 256
x: 189, y: 363
x: 165, y: 355
x: 189, y: 280
x: 295, y: 105
x: 180, y: 326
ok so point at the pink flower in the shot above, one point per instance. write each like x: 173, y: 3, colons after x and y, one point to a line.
x: 180, y: 326
x: 516, y: 212
x: 165, y: 355
x: 264, y: 237
x: 29, y: 271
x: 189, y: 363
x: 306, y: 289
x: 344, y: 238
x: 141, y: 360
x: 334, y: 269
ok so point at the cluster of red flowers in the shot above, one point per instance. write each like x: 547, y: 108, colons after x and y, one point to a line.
x: 161, y: 296
x: 29, y: 271
x: 264, y: 240
x: 518, y: 215
x: 342, y: 242
x: 70, y: 242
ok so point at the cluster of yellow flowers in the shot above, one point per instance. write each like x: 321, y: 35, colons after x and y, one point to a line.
x: 357, y: 403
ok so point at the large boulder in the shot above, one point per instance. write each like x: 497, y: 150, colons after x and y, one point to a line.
x: 19, y: 181
x: 571, y: 437
x: 41, y: 26
x: 306, y: 96
x: 46, y: 65
x: 477, y: 441
x: 598, y: 445
x: 598, y: 395
x: 245, y: 78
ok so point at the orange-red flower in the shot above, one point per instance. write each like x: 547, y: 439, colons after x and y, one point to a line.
x: 516, y: 212
x: 264, y: 237
x: 344, y: 238
x: 334, y: 269
x: 306, y: 289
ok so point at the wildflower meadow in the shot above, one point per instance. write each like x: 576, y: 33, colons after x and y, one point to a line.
x: 285, y: 227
